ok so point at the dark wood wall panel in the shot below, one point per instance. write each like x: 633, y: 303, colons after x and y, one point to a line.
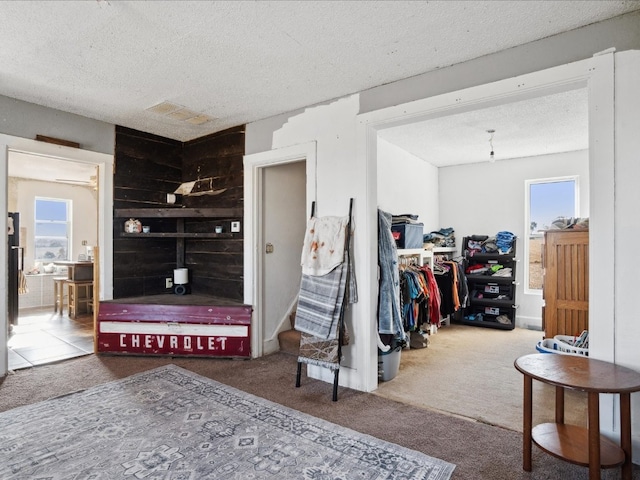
x: 216, y: 266
x: 217, y: 157
x: 147, y: 168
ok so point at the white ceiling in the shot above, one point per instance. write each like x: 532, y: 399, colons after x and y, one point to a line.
x: 539, y: 126
x: 49, y: 169
x: 241, y: 61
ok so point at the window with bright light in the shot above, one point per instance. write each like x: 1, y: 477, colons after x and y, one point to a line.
x: 547, y: 200
x: 52, y: 229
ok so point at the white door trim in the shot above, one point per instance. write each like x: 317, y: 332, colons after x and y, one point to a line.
x: 104, y: 163
x: 253, y: 214
x: 595, y: 73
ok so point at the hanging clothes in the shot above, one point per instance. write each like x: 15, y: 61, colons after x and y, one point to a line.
x: 453, y: 284
x: 389, y: 316
x: 420, y: 297
x: 435, y: 297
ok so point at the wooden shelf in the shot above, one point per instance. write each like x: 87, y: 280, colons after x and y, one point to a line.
x: 178, y: 216
x: 177, y: 235
x: 571, y: 443
x: 179, y: 212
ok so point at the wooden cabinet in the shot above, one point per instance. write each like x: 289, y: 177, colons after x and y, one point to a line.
x: 565, y: 290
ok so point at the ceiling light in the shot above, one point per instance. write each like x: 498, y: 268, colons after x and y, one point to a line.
x: 491, y: 154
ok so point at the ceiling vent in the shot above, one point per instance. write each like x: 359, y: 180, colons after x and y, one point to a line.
x: 180, y: 113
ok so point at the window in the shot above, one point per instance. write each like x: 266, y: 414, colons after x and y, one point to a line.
x: 547, y: 199
x: 52, y: 229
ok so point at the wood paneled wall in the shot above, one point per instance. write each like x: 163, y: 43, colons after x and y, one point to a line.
x: 216, y: 265
x: 147, y: 168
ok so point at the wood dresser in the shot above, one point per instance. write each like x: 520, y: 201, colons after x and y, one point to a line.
x: 565, y: 290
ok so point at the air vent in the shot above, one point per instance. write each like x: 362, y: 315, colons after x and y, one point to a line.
x: 164, y: 108
x: 180, y: 113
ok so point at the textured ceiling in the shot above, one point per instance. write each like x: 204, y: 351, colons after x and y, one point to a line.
x: 539, y: 126
x: 241, y: 61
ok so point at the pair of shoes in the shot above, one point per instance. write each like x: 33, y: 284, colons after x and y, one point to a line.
x: 503, y: 319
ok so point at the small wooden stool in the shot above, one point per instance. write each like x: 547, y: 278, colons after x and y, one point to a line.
x: 80, y: 296
x: 58, y: 294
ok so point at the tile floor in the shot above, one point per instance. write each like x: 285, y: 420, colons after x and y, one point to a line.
x: 43, y: 336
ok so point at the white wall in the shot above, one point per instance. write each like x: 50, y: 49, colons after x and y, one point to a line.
x: 26, y: 120
x: 485, y: 198
x: 407, y: 184
x: 22, y: 193
x: 331, y: 126
x: 627, y: 229
x: 627, y: 202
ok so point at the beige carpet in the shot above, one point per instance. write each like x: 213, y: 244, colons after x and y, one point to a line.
x: 468, y: 371
x: 479, y: 451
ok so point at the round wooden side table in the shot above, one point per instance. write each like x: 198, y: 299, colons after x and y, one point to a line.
x: 578, y: 445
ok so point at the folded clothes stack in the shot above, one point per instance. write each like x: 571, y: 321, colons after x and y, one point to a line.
x: 441, y: 238
x: 501, y: 243
x: 504, y: 241
x: 404, y: 218
x: 566, y: 223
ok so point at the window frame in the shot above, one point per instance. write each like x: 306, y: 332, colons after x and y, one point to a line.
x: 527, y: 225
x: 68, y: 223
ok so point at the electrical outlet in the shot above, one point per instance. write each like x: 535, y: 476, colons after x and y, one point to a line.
x: 168, y: 282
x: 235, y: 227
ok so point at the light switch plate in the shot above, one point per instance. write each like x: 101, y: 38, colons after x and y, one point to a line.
x: 235, y: 227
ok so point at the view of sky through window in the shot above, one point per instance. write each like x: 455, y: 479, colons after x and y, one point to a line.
x: 550, y: 200
x: 51, y: 229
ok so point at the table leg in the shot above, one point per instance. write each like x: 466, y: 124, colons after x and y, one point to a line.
x: 527, y: 424
x: 594, y: 436
x: 559, y: 404
x: 625, y: 434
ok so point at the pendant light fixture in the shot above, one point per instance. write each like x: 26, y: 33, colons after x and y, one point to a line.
x: 491, y: 154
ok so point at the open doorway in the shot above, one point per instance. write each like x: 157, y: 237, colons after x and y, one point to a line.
x: 105, y: 165
x: 284, y: 212
x: 56, y: 202
x: 266, y: 178
x: 473, y: 182
x: 476, y: 185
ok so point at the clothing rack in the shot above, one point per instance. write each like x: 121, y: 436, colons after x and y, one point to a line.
x: 332, y: 347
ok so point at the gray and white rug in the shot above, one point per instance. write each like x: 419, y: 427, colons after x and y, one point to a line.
x: 172, y: 424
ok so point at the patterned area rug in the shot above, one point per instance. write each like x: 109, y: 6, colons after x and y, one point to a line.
x: 172, y: 424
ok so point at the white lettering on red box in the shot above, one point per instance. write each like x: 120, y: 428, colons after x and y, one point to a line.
x: 183, y: 342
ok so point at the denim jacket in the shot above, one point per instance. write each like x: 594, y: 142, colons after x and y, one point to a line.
x: 389, y: 316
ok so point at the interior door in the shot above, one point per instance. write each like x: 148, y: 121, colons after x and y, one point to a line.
x: 285, y: 212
